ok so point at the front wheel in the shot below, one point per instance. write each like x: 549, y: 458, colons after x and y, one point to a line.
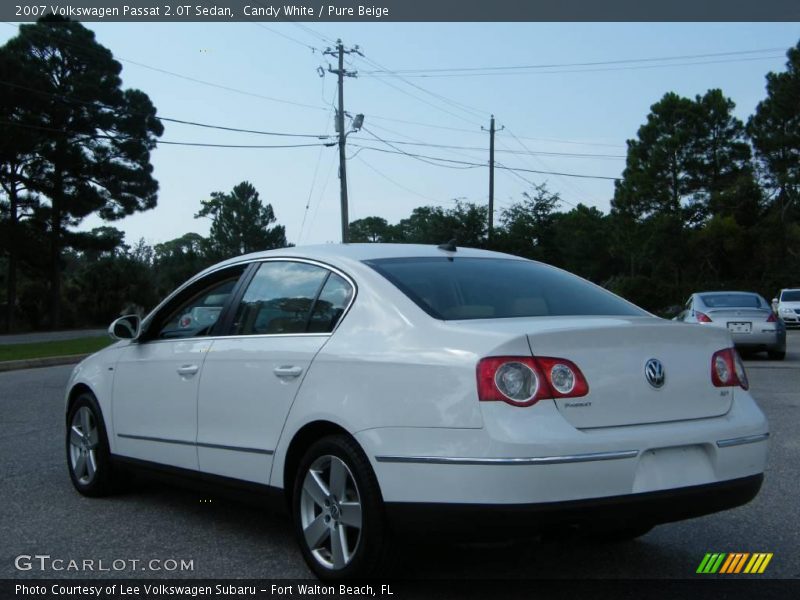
x: 338, y: 511
x: 88, y: 456
x: 776, y: 354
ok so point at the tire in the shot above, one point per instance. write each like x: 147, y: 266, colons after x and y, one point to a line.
x: 776, y: 354
x: 336, y: 498
x: 619, y: 534
x: 88, y: 456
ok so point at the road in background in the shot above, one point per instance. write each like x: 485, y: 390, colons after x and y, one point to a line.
x: 42, y: 514
x: 49, y: 336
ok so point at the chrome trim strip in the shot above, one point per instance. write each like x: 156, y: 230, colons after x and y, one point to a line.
x: 539, y: 460
x: 747, y: 439
x: 146, y: 438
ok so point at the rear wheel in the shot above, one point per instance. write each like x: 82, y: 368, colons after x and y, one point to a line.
x: 88, y: 456
x: 338, y: 511
x: 776, y: 354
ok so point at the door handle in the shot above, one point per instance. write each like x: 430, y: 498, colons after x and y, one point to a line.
x: 287, y: 372
x: 187, y: 370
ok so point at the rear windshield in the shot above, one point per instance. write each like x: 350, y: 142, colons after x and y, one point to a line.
x: 790, y: 296
x: 732, y: 301
x: 496, y: 288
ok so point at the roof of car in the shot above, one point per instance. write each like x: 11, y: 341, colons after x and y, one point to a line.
x: 361, y: 252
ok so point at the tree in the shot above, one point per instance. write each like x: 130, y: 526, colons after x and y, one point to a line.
x: 583, y: 236
x: 721, y: 166
x: 94, y: 154
x: 686, y: 159
x: 527, y: 227
x: 177, y: 260
x: 371, y: 229
x: 17, y: 150
x: 775, y: 132
x: 240, y: 223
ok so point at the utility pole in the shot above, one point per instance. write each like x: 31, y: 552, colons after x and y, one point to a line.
x: 492, y: 131
x: 341, y: 72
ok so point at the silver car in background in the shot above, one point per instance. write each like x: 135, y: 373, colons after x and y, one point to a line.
x: 787, y: 305
x: 746, y: 315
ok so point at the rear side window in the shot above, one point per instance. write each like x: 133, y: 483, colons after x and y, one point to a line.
x: 496, y: 288
x: 331, y: 304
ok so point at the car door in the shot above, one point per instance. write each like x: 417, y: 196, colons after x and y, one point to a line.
x: 156, y: 378
x: 251, y: 376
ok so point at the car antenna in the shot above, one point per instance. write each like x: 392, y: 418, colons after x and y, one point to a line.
x: 449, y: 246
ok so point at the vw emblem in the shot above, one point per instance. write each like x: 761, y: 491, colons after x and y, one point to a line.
x: 654, y: 373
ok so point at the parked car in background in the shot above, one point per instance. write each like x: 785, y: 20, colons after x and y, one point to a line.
x: 381, y: 389
x: 787, y: 305
x: 751, y: 322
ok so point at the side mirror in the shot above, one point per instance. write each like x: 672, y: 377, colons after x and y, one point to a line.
x: 125, y: 328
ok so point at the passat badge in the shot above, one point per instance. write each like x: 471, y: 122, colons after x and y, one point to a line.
x: 654, y: 373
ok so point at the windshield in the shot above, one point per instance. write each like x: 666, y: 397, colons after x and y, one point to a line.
x: 733, y: 301
x: 790, y: 296
x: 496, y: 288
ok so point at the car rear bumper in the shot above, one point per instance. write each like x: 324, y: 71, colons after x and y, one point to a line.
x: 772, y: 339
x: 506, y: 520
x: 534, y: 456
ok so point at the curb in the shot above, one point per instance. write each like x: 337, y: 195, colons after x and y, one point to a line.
x: 34, y: 363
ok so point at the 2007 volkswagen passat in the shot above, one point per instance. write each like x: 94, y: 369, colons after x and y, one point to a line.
x: 386, y: 388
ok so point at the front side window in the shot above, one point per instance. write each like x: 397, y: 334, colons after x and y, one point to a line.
x: 199, y: 307
x: 279, y: 298
x: 494, y: 288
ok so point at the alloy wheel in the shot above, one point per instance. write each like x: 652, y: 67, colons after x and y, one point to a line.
x: 83, y: 441
x: 330, y: 512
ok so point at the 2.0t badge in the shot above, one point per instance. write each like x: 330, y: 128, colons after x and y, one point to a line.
x: 654, y: 373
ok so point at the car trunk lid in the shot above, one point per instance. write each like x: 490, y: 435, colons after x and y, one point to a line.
x: 613, y: 358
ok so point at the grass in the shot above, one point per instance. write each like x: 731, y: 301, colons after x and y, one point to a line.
x: 57, y: 348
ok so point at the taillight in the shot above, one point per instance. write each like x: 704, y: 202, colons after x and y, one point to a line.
x: 702, y: 317
x: 772, y: 318
x: 524, y: 380
x: 727, y: 369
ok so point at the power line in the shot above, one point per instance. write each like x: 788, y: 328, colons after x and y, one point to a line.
x: 471, y: 110
x: 420, y: 72
x: 288, y: 37
x: 311, y: 190
x: 424, y: 101
x: 118, y: 138
x: 396, y: 183
x: 526, y: 151
x: 68, y: 98
x: 572, y: 185
x: 426, y: 158
x: 463, y: 130
x: 605, y: 69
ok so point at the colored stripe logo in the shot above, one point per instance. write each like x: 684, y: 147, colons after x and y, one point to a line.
x: 731, y: 563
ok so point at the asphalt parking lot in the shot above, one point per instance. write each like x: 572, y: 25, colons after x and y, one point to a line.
x: 42, y: 514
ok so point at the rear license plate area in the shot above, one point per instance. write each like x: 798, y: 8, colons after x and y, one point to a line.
x: 665, y: 468
x: 740, y: 327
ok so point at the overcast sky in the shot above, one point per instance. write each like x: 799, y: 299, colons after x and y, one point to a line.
x: 576, y: 110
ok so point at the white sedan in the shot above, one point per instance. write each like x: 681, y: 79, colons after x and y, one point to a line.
x: 378, y: 390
